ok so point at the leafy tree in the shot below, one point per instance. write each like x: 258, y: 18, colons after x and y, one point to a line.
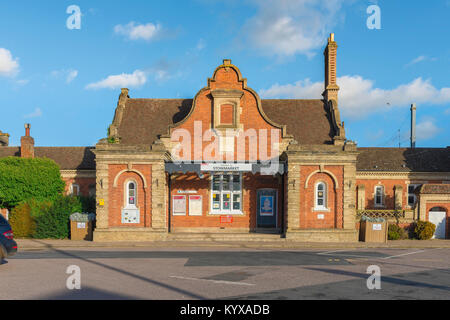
x: 22, y: 179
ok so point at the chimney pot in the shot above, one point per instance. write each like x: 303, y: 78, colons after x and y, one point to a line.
x: 27, y: 129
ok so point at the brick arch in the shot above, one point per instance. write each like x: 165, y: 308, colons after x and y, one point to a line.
x: 331, y: 217
x: 441, y: 208
x: 336, y: 183
x: 116, y: 179
x: 117, y: 195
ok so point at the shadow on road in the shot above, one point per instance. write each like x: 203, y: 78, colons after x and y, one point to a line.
x: 127, y: 273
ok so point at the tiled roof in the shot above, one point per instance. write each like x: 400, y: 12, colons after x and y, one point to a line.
x: 307, y: 120
x: 145, y: 119
x: 404, y: 159
x: 68, y: 158
x: 435, y: 189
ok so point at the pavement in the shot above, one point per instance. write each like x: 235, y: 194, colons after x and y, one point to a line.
x: 34, y: 244
x: 45, y: 268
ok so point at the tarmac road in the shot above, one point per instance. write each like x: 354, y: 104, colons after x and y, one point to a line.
x: 226, y: 273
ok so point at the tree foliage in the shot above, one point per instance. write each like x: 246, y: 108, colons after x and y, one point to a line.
x: 22, y: 179
x: 54, y: 222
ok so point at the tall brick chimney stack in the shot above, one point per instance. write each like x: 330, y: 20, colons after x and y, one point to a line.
x: 331, y: 87
x: 27, y: 143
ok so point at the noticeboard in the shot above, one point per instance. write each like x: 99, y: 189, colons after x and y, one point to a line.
x: 179, y: 205
x: 266, y: 206
x: 195, y: 205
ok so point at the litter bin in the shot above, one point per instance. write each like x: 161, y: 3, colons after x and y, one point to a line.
x: 373, y: 230
x: 81, y: 226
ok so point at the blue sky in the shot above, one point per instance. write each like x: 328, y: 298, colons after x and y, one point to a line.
x: 66, y: 82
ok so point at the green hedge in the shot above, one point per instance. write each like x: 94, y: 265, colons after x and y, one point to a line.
x: 54, y: 223
x: 395, y: 232
x: 47, y: 219
x: 24, y: 179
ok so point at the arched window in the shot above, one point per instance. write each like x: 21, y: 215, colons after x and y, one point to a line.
x: 74, y: 189
x: 321, y: 196
x: 131, y: 199
x: 379, y: 196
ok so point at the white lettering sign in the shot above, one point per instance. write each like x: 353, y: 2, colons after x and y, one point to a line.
x: 226, y: 167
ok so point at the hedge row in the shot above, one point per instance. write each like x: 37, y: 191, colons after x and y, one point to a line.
x: 421, y: 230
x: 47, y: 219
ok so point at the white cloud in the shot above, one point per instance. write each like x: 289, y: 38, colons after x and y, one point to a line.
x: 201, y: 44
x: 135, y: 31
x: 22, y: 82
x: 359, y: 97
x: 137, y: 79
x: 420, y: 59
x: 290, y: 27
x: 35, y: 114
x: 8, y: 65
x: 426, y: 129
x: 69, y: 75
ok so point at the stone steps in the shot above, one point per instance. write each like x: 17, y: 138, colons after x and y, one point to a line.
x: 224, y: 237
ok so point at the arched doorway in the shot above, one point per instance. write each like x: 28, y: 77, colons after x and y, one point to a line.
x: 438, y: 216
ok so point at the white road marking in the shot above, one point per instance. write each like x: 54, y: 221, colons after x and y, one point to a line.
x: 408, y: 253
x: 214, y: 281
x: 336, y: 253
x: 328, y: 252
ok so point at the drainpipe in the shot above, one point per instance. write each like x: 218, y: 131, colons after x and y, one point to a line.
x: 169, y: 204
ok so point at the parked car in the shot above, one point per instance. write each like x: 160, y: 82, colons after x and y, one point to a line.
x: 8, y: 247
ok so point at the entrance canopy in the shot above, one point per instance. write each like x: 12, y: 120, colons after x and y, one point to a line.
x: 258, y: 167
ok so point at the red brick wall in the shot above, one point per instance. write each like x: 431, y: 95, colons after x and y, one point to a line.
x: 117, y: 194
x: 251, y: 183
x: 226, y: 114
x: 332, y: 218
x: 250, y: 117
x: 389, y: 190
x: 83, y: 183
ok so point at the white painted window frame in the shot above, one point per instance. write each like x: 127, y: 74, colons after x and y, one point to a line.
x: 127, y: 195
x: 323, y: 207
x: 219, y: 211
x: 383, y: 197
x: 415, y: 185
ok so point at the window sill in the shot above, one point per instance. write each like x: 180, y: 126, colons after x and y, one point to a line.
x: 232, y: 213
x: 321, y: 210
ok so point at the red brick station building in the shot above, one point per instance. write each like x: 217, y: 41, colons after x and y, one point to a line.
x: 172, y: 167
